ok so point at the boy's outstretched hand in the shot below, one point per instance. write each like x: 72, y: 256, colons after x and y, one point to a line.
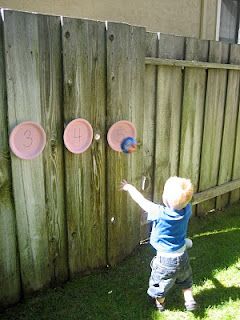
x: 124, y: 185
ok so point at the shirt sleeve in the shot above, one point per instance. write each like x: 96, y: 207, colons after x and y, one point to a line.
x: 153, y: 209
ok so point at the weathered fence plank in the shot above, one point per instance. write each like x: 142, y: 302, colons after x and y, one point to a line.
x: 149, y: 114
x: 24, y: 103
x: 149, y: 125
x: 50, y: 72
x: 168, y: 113
x: 213, y: 122
x: 85, y: 97
x: 216, y: 191
x: 235, y: 195
x: 193, y: 111
x: 9, y: 258
x: 190, y: 64
x: 230, y: 122
x: 125, y: 81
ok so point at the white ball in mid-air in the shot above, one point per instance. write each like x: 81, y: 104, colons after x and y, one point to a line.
x: 188, y: 243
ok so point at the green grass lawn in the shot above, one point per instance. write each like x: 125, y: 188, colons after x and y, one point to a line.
x: 120, y: 292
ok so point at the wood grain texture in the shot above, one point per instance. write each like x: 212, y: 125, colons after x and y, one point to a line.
x: 213, y: 192
x: 150, y: 79
x: 235, y: 195
x: 213, y: 122
x: 125, y: 82
x: 24, y: 103
x: 9, y: 258
x: 168, y: 113
x: 50, y: 73
x: 229, y: 130
x: 190, y: 64
x: 193, y: 111
x: 66, y: 214
x: 84, y: 58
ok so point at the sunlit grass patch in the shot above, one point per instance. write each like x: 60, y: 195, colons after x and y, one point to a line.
x: 230, y: 276
x: 228, y: 310
x: 119, y: 293
x: 226, y: 230
x: 206, y: 285
x: 173, y: 315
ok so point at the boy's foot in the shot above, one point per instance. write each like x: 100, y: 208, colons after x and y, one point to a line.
x: 160, y: 306
x: 191, y: 305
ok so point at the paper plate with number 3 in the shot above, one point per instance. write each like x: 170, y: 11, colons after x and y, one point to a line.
x: 27, y: 140
x: 78, y: 135
x: 118, y: 132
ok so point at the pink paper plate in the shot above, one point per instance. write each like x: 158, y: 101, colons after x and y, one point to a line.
x: 27, y: 140
x: 78, y: 135
x: 119, y: 131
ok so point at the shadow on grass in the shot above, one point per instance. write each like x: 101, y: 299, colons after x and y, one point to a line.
x: 216, y: 296
x: 120, y: 293
x: 213, y: 253
x: 210, y: 253
x: 116, y: 293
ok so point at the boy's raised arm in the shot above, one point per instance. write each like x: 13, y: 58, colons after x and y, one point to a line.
x: 146, y: 205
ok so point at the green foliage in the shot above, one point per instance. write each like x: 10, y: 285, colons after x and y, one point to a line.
x: 120, y: 292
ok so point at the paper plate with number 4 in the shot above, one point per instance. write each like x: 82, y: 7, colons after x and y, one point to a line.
x: 78, y: 135
x: 27, y: 140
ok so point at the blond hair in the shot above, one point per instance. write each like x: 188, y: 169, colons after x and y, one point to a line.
x: 177, y: 192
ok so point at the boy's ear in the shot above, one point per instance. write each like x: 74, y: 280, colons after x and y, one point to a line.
x: 165, y: 200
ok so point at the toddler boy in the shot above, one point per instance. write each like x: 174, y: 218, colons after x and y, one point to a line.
x: 170, y: 223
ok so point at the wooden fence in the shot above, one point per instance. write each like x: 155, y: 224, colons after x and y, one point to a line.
x: 62, y: 214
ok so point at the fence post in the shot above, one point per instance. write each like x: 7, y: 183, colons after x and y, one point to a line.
x: 50, y: 71
x: 235, y: 195
x: 24, y: 103
x: 229, y: 129
x: 150, y: 89
x: 168, y: 113
x: 9, y: 258
x: 213, y: 122
x: 84, y: 58
x: 193, y: 111
x: 125, y: 84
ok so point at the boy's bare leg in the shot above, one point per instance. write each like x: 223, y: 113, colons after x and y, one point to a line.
x: 188, y: 295
x: 190, y: 303
x: 160, y: 300
x: 160, y: 304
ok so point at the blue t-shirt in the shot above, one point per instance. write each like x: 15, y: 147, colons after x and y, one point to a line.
x: 169, y: 228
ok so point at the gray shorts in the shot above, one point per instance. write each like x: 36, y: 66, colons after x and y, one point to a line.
x: 168, y: 271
